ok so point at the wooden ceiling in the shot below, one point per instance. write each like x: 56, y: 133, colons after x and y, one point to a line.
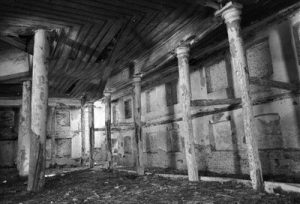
x: 93, y: 39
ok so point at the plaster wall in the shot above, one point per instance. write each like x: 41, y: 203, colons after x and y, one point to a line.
x: 13, y: 62
x: 63, y: 141
x: 219, y: 137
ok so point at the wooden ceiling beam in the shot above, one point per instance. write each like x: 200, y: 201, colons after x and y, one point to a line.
x: 208, y: 3
x: 16, y: 42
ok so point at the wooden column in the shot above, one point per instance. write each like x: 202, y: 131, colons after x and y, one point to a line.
x: 185, y: 99
x: 82, y: 117
x: 137, y: 121
x: 52, y: 132
x: 91, y: 134
x: 36, y: 178
x: 232, y: 15
x: 107, y: 95
x: 24, y: 131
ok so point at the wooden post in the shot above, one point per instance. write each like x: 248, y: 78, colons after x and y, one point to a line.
x: 107, y: 95
x: 232, y: 15
x: 82, y: 132
x: 137, y: 120
x: 53, y: 135
x: 24, y: 131
x: 39, y: 103
x: 91, y: 136
x: 185, y: 99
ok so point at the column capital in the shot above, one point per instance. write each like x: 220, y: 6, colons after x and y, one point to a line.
x: 230, y: 12
x: 107, y: 92
x: 183, y: 50
x: 90, y: 104
x: 137, y: 78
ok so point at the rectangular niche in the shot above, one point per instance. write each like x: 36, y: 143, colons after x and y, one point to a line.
x: 128, y: 109
x: 127, y: 145
x: 259, y: 63
x: 174, y: 141
x: 7, y: 124
x: 216, y: 77
x: 150, y: 142
x: 171, y: 92
x: 222, y: 135
x: 63, y: 147
x: 269, y: 135
x: 114, y: 145
x: 63, y: 118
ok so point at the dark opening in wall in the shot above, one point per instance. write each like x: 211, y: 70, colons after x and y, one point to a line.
x: 128, y: 109
x: 171, y: 93
x: 148, y: 101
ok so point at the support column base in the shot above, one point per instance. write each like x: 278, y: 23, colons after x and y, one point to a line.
x: 140, y: 171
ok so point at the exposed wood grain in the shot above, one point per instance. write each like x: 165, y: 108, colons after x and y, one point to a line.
x: 231, y: 14
x: 185, y: 100
x: 37, y: 162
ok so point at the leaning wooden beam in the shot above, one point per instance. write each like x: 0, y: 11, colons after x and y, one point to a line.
x: 185, y: 94
x: 24, y: 131
x: 137, y: 120
x: 274, y: 84
x: 36, y: 178
x: 107, y: 95
x: 213, y: 102
x: 232, y: 16
x: 91, y: 134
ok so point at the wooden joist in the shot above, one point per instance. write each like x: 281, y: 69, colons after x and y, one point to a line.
x: 213, y: 102
x: 16, y: 42
x: 274, y: 84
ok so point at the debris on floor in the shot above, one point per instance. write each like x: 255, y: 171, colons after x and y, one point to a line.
x: 99, y: 186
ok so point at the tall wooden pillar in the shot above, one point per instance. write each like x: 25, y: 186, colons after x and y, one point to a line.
x: 137, y: 120
x: 24, y: 131
x: 82, y: 131
x: 52, y: 131
x: 232, y: 16
x: 92, y: 134
x: 39, y: 103
x: 107, y: 95
x: 185, y: 99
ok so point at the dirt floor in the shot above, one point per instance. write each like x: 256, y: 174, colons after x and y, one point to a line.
x: 99, y: 186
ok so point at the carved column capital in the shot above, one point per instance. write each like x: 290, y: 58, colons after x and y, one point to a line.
x: 137, y: 77
x: 230, y: 12
x: 183, y: 51
x: 107, y: 93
